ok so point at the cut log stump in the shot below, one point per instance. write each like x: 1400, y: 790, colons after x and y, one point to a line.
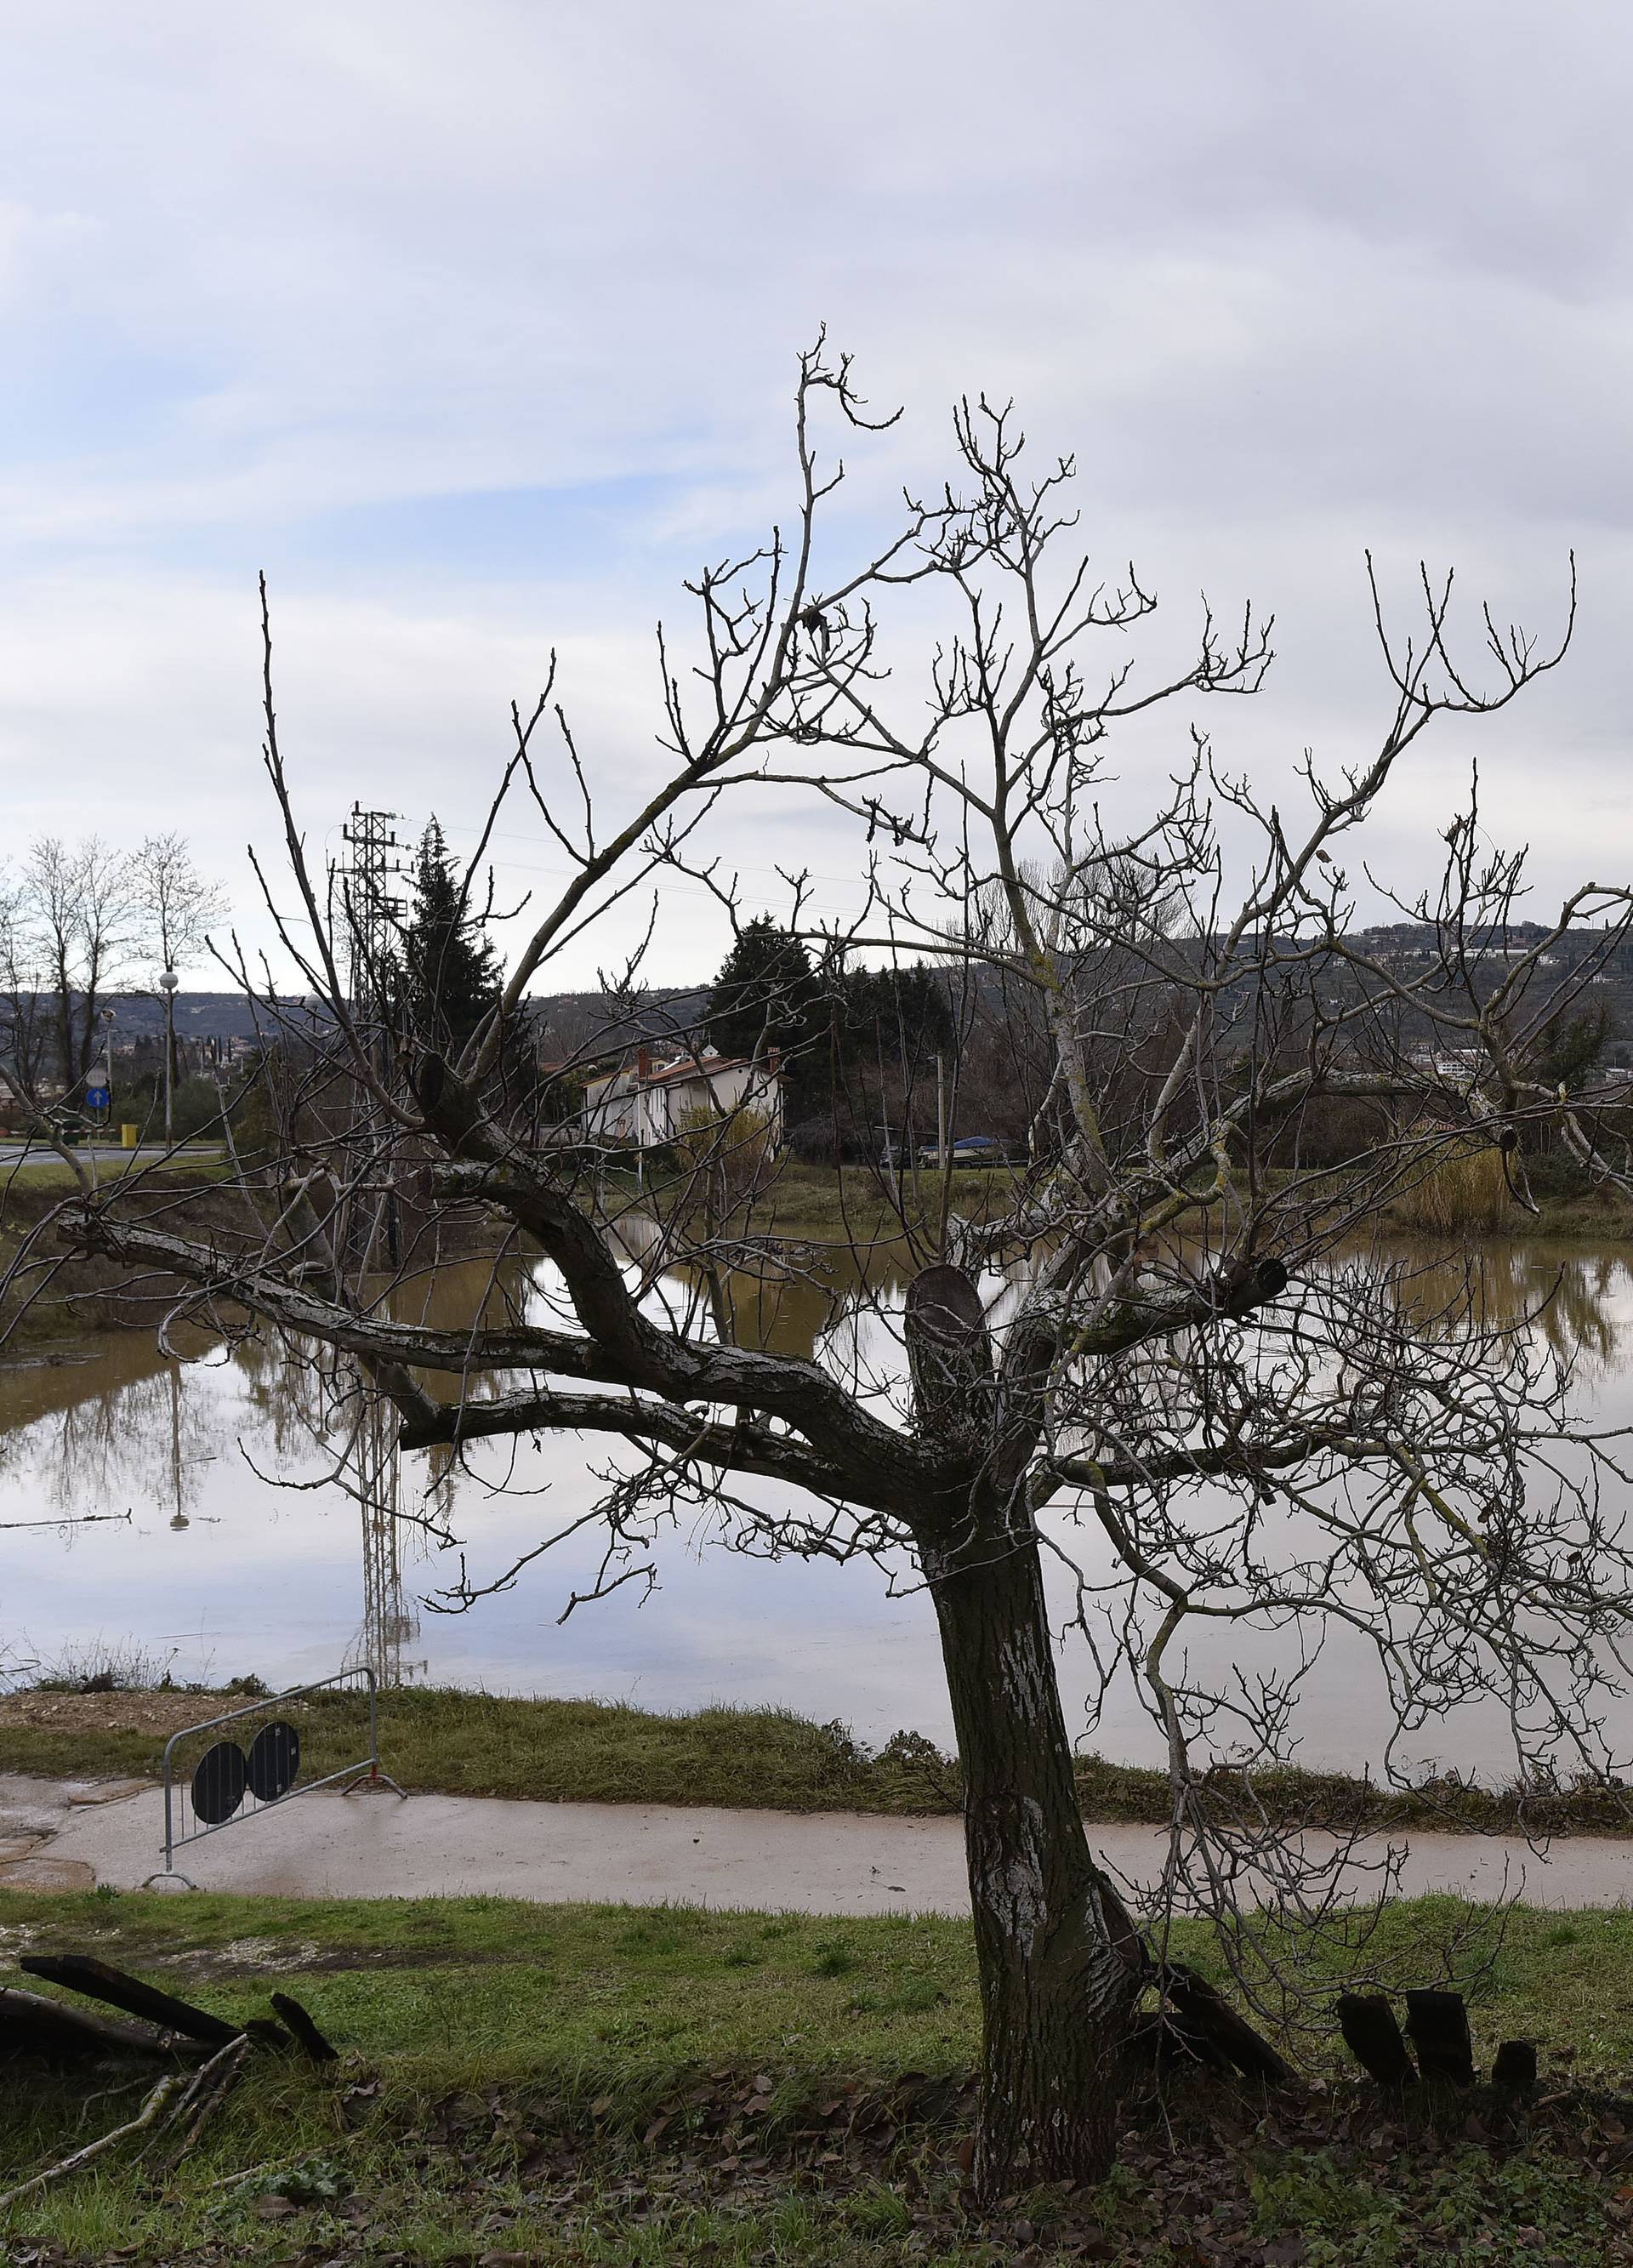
x: 1437, y: 2023
x: 320, y: 2049
x: 1515, y: 2070
x: 1373, y: 2038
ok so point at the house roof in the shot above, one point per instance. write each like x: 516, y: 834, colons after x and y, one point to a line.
x: 687, y: 1067
x: 691, y: 1067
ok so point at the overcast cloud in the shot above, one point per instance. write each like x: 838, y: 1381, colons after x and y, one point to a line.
x: 474, y: 325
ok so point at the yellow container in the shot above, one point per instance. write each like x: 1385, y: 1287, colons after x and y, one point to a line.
x: 129, y: 1136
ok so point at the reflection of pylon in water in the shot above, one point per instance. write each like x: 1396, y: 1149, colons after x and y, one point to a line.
x: 387, y: 1623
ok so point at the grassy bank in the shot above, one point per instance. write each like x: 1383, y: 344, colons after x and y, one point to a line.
x: 835, y: 1205
x: 829, y: 1205
x: 764, y: 1759
x: 88, y: 1292
x: 600, y: 2085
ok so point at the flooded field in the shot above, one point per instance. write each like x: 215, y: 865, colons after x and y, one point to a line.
x: 242, y: 1553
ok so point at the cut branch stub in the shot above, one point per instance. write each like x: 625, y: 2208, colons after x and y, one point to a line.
x: 1247, y: 1283
x: 949, y: 1349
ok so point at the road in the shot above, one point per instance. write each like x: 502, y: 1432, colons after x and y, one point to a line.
x: 58, y: 1835
x: 109, y: 1156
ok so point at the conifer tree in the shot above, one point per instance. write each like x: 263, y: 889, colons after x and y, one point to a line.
x: 451, y: 970
x: 767, y: 995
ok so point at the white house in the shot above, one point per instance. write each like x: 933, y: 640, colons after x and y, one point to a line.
x: 649, y: 1101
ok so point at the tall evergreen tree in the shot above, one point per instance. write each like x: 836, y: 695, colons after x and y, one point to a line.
x: 768, y: 996
x: 451, y: 971
x: 904, y: 1012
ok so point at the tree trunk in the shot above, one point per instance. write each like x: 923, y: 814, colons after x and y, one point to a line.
x: 1057, y: 1993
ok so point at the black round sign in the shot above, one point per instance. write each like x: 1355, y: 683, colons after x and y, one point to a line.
x: 218, y: 1783
x: 274, y: 1761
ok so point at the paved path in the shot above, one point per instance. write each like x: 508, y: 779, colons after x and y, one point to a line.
x: 108, y: 1155
x: 71, y: 1834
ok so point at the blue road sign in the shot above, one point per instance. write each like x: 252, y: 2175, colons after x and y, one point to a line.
x: 97, y: 1098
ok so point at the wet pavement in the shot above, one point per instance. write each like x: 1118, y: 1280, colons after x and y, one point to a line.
x: 74, y: 1834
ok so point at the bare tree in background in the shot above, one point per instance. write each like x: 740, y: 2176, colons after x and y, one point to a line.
x: 1154, y: 1375
x: 24, y: 1020
x: 76, y: 921
x: 69, y: 932
x: 176, y: 908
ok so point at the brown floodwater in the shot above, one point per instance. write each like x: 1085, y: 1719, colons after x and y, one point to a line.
x: 235, y: 1549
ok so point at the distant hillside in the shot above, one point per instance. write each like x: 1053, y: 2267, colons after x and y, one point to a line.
x: 199, y: 1016
x: 564, y: 1021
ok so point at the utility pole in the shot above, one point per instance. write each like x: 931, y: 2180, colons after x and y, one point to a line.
x: 372, y: 916
x: 103, y: 1077
x: 372, y: 910
x: 168, y: 982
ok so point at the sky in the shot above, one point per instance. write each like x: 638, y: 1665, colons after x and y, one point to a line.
x: 474, y: 327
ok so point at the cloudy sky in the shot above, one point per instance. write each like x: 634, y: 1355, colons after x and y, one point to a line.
x: 474, y: 327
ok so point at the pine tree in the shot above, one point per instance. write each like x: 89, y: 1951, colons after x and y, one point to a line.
x: 451, y: 971
x: 903, y: 1012
x: 767, y: 995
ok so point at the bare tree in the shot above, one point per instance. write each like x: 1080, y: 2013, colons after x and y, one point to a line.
x: 24, y: 1023
x: 82, y: 915
x: 1153, y: 1393
x: 176, y: 907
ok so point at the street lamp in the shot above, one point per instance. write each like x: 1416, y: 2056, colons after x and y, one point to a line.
x: 103, y: 1077
x: 167, y: 983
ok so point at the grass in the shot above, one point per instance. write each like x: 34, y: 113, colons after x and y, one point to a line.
x: 833, y: 1205
x: 1466, y: 1191
x: 51, y: 1172
x: 1462, y: 1197
x: 457, y: 1744
x: 602, y: 2085
x: 479, y: 1744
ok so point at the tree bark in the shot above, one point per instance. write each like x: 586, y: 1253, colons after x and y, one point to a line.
x: 1059, y: 1983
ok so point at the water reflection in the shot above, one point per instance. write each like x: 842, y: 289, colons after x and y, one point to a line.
x: 266, y: 1573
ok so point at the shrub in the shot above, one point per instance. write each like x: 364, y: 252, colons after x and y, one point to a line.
x: 1465, y: 1189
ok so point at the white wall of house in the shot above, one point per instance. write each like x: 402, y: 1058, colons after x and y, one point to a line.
x: 647, y: 1108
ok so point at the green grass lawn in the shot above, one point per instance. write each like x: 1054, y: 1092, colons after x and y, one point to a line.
x: 831, y: 1204
x: 601, y: 2084
x: 459, y: 1743
x: 206, y: 1161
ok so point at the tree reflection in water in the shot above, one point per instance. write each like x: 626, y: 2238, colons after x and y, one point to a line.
x: 271, y: 1574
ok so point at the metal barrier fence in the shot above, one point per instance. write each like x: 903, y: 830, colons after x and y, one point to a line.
x: 222, y: 1784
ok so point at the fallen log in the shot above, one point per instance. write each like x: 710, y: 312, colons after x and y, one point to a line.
x: 1437, y: 2023
x: 1174, y: 2046
x: 1373, y: 2038
x: 1209, y: 2027
x: 30, y: 2024
x: 81, y: 1972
